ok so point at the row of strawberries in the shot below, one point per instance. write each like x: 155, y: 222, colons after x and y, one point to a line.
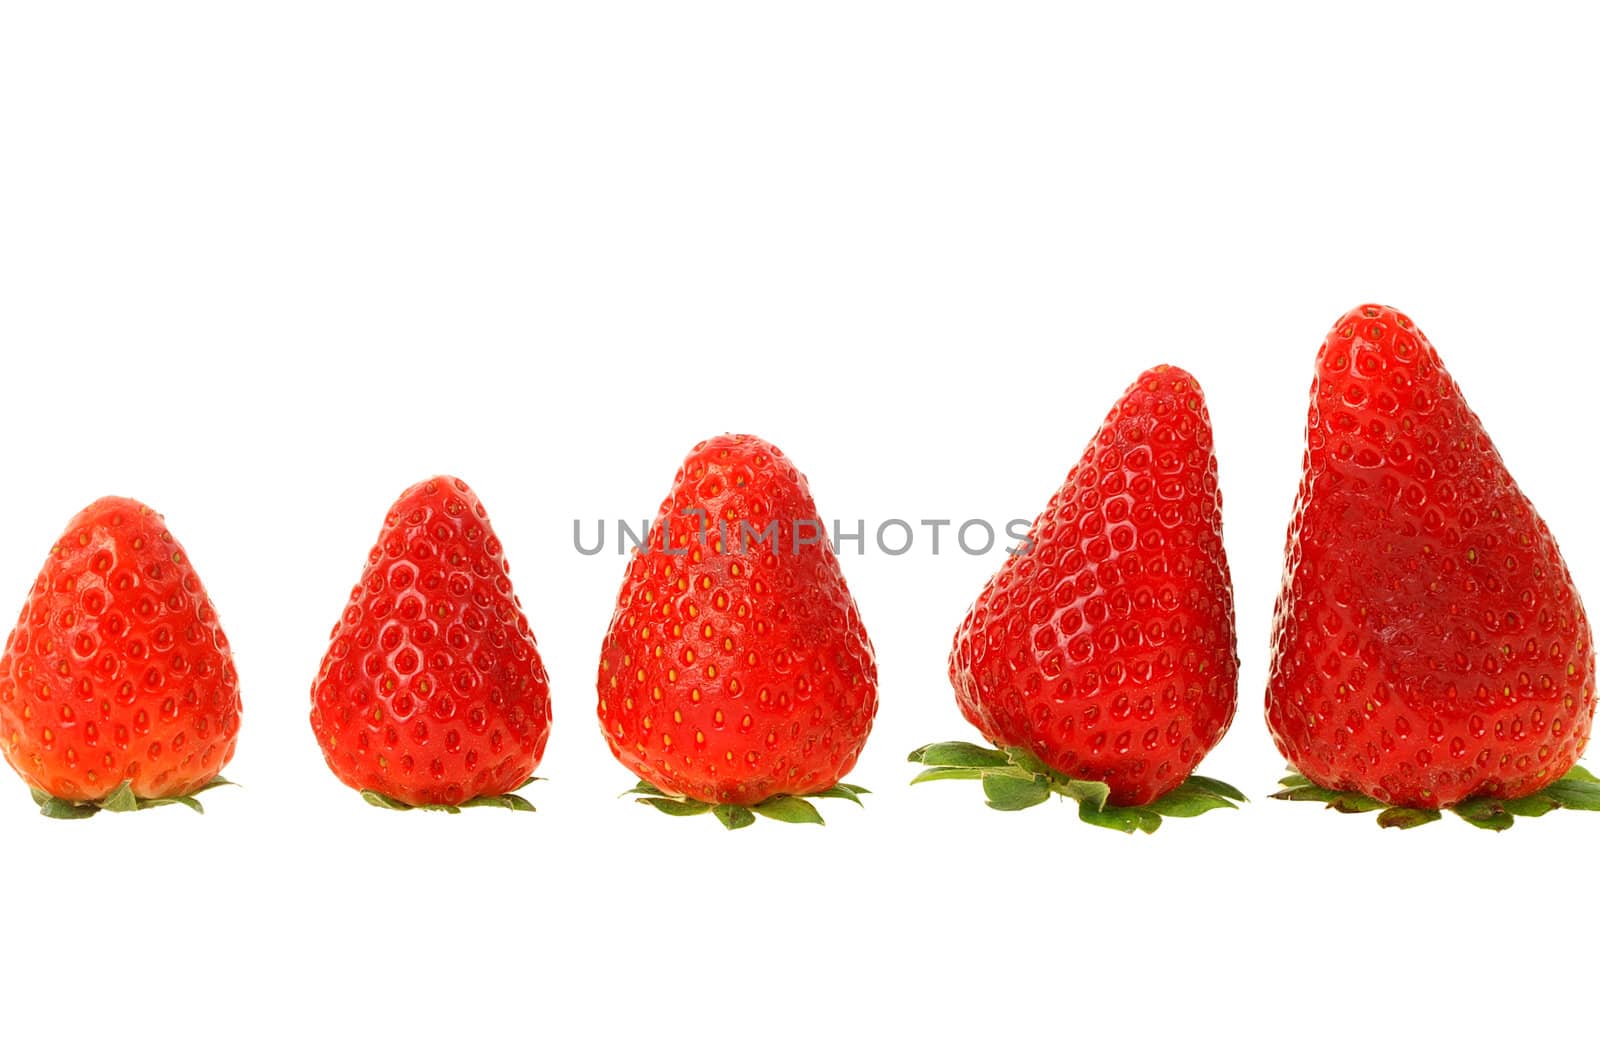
x: 1429, y: 648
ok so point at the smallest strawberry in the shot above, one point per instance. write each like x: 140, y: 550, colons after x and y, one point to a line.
x: 1015, y: 779
x: 432, y: 694
x: 1578, y: 789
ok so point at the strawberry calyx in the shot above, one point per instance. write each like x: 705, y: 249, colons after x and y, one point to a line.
x: 787, y: 808
x: 1013, y: 778
x: 121, y: 800
x: 1578, y: 789
x: 508, y: 800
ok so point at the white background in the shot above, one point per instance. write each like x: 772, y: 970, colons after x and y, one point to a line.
x: 264, y: 270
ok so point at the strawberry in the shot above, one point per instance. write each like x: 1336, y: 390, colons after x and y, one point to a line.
x: 736, y: 673
x: 432, y: 693
x: 117, y: 688
x: 1429, y: 649
x: 1100, y: 659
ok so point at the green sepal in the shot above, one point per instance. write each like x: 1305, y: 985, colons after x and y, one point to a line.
x: 508, y: 800
x: 1216, y: 787
x: 1578, y: 789
x: 500, y: 801
x: 785, y: 808
x: 1579, y: 774
x: 1127, y: 819
x: 1404, y: 818
x: 63, y: 809
x: 958, y: 755
x: 950, y: 772
x: 1343, y: 801
x: 1085, y: 792
x: 1009, y: 793
x: 121, y: 800
x: 1015, y: 778
x: 791, y: 810
x: 845, y: 791
x: 1484, y: 813
x: 1190, y: 798
x: 1571, y: 793
x: 1536, y: 804
x: 675, y: 807
x: 734, y: 817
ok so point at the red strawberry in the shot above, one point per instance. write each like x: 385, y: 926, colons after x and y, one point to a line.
x: 1104, y: 654
x: 432, y: 692
x: 736, y: 668
x: 1428, y: 646
x: 117, y: 689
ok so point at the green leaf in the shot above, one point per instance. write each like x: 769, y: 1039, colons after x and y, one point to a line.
x: 1126, y: 819
x: 1350, y: 802
x: 734, y: 817
x: 1537, y: 804
x: 1186, y: 800
x: 674, y: 807
x: 1215, y: 786
x: 641, y: 787
x: 1028, y: 762
x: 382, y: 801
x: 958, y: 755
x: 121, y: 800
x: 1574, y: 794
x: 1404, y: 818
x: 854, y: 787
x: 841, y: 791
x: 211, y: 785
x: 1008, y: 793
x: 787, y: 808
x: 500, y: 801
x: 1294, y: 779
x: 1484, y: 813
x: 1308, y: 793
x: 61, y: 809
x: 1084, y: 792
x: 186, y: 799
x: 1581, y: 774
x: 1343, y: 801
x: 39, y: 797
x: 943, y: 773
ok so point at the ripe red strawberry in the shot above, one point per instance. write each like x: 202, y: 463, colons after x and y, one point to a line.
x: 117, y: 689
x: 1429, y: 646
x: 432, y: 692
x: 1104, y: 654
x: 736, y: 668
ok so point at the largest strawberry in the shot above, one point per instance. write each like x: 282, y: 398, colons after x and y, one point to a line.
x: 736, y: 672
x: 1429, y: 647
x: 1100, y: 660
x: 117, y: 687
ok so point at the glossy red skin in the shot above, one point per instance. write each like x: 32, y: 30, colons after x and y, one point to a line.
x: 432, y: 691
x: 731, y: 677
x: 1428, y: 644
x: 118, y: 668
x: 1108, y: 649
